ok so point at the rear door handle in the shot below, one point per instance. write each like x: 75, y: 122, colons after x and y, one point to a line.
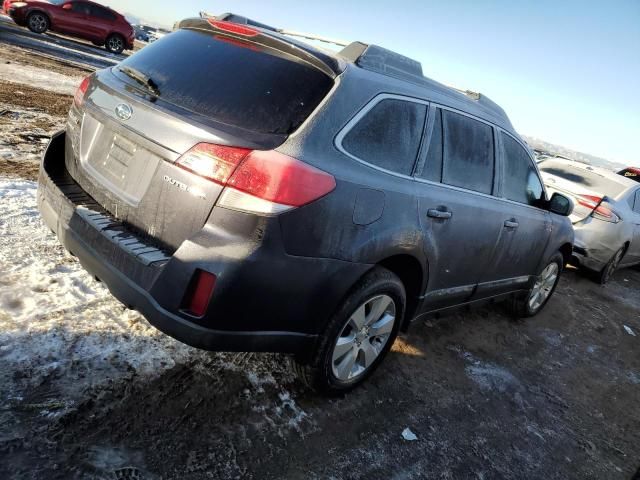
x: 433, y: 213
x: 511, y: 224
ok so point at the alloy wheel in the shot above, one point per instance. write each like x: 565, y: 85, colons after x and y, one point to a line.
x: 38, y: 22
x: 543, y: 286
x: 612, y: 266
x: 115, y: 44
x: 363, y: 338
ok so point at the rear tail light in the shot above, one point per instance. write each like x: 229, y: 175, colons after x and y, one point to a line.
x: 213, y: 162
x: 199, y: 293
x: 257, y: 181
x: 233, y: 28
x: 598, y: 208
x: 78, y: 98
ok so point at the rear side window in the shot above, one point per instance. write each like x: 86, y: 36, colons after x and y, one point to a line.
x: 468, y: 153
x: 241, y: 84
x: 388, y: 136
x: 102, y: 13
x: 521, y: 182
x: 81, y: 8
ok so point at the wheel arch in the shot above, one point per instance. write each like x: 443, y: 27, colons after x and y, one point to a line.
x: 413, y: 275
x: 39, y: 10
x: 115, y: 33
x: 567, y: 251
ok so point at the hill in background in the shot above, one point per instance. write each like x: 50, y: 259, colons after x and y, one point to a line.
x: 572, y: 154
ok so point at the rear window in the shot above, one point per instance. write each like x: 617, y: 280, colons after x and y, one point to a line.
x: 388, y: 136
x: 233, y: 82
x: 590, y: 180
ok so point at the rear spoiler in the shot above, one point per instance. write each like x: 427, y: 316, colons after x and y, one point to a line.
x: 263, y: 35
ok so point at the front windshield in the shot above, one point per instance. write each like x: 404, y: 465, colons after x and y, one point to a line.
x: 58, y: 2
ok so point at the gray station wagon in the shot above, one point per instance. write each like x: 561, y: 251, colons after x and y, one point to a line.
x: 248, y: 192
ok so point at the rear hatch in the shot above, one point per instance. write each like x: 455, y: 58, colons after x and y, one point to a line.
x: 204, y: 84
x: 593, y: 192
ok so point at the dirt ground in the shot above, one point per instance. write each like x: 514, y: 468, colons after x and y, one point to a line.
x: 29, y: 115
x: 88, y: 390
x: 487, y: 396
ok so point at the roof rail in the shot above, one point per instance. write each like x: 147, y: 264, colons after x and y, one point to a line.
x: 369, y: 57
x: 378, y: 59
x: 387, y: 62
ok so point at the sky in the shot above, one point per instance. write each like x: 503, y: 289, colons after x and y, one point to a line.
x: 567, y: 72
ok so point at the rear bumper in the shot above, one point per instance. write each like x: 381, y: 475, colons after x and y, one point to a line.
x: 153, y: 282
x: 596, y: 242
x: 17, y: 15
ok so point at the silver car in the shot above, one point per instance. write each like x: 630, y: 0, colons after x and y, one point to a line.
x: 606, y: 217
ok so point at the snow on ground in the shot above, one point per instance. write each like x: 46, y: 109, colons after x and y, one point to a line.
x: 61, y: 327
x: 54, y: 314
x: 38, y: 77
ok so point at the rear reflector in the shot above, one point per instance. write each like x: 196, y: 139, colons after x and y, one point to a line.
x: 257, y: 181
x: 78, y: 98
x: 199, y: 293
x: 233, y: 28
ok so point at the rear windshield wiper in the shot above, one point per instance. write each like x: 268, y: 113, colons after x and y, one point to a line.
x: 141, y: 78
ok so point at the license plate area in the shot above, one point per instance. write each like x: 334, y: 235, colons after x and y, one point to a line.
x: 116, y: 160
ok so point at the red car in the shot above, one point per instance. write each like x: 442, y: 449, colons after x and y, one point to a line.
x: 631, y: 172
x: 78, y: 18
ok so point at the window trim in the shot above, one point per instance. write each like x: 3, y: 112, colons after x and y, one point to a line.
x: 498, y: 176
x: 503, y: 168
x: 494, y: 187
x: 363, y: 112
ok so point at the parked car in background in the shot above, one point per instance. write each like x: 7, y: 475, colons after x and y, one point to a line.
x: 79, y: 18
x: 631, y: 172
x: 606, y: 218
x: 301, y: 202
x: 157, y: 34
x: 140, y: 33
x: 6, y: 4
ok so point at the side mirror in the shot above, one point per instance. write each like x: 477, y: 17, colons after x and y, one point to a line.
x: 67, y: 6
x: 560, y: 204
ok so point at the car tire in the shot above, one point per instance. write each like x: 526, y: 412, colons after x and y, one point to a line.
x: 345, y: 356
x: 542, y: 289
x: 38, y: 22
x: 609, y: 269
x: 115, y: 43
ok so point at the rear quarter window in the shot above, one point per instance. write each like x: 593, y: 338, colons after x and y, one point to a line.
x: 388, y: 136
x: 231, y: 81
